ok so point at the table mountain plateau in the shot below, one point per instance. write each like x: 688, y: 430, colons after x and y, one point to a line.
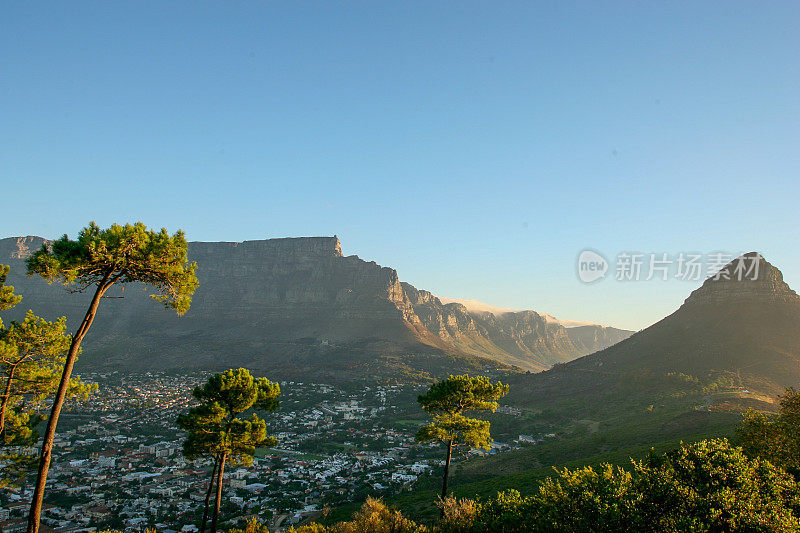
x: 297, y: 307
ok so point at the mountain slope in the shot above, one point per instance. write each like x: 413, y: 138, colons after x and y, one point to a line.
x: 746, y: 330
x: 298, y: 307
x: 527, y: 339
x: 279, y: 305
x: 733, y: 344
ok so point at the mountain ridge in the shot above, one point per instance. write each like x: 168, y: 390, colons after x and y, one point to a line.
x: 475, y: 306
x: 275, y: 303
x: 741, y: 332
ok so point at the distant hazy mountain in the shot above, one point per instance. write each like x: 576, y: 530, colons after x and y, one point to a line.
x: 745, y: 331
x: 299, y: 307
x: 474, y: 306
x: 526, y: 339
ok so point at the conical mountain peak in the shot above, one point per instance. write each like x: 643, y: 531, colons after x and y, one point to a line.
x: 747, y: 278
x: 748, y: 328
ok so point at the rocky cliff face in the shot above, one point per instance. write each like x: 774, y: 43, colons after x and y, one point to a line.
x: 748, y: 278
x: 278, y: 304
x: 522, y: 338
x: 590, y: 339
x: 294, y: 306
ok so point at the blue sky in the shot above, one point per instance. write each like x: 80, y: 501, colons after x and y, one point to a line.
x: 476, y: 147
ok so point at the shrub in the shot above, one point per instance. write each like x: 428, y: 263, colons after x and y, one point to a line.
x: 457, y: 515
x: 775, y: 437
x: 713, y: 486
x: 709, y: 486
x: 310, y: 528
x: 252, y: 526
x: 375, y: 517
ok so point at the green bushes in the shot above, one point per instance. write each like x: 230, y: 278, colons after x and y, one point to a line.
x: 710, y: 486
x: 713, y: 486
x: 775, y: 437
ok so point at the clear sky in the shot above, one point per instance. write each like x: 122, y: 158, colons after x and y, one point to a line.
x: 476, y: 147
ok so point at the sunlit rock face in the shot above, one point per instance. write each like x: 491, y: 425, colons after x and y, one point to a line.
x: 748, y: 278
x: 297, y: 306
x: 263, y: 304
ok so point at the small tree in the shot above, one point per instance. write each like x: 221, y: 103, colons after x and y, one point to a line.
x: 458, y: 515
x: 32, y: 354
x: 31, y: 357
x: 374, y: 516
x: 253, y: 525
x: 7, y: 297
x: 775, y: 437
x: 446, y: 401
x: 216, y: 430
x: 97, y: 260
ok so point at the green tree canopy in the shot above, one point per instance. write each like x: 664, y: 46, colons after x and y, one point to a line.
x: 457, y: 394
x: 446, y: 401
x: 459, y: 429
x: 32, y: 353
x: 98, y: 259
x: 7, y: 297
x: 709, y: 486
x: 121, y: 254
x: 775, y: 437
x: 215, y: 427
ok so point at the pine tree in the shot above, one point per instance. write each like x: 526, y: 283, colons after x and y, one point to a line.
x: 215, y: 427
x: 32, y: 353
x: 7, y: 297
x: 447, y: 401
x: 97, y: 260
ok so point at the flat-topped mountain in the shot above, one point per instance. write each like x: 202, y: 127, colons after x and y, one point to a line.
x: 298, y: 306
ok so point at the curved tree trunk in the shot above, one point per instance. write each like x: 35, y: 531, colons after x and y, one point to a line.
x: 35, y: 514
x: 208, y: 494
x: 218, y: 501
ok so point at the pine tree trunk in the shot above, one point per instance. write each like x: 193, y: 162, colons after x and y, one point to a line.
x: 208, y: 494
x: 447, y: 469
x: 6, y: 397
x: 219, y: 494
x: 35, y: 514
